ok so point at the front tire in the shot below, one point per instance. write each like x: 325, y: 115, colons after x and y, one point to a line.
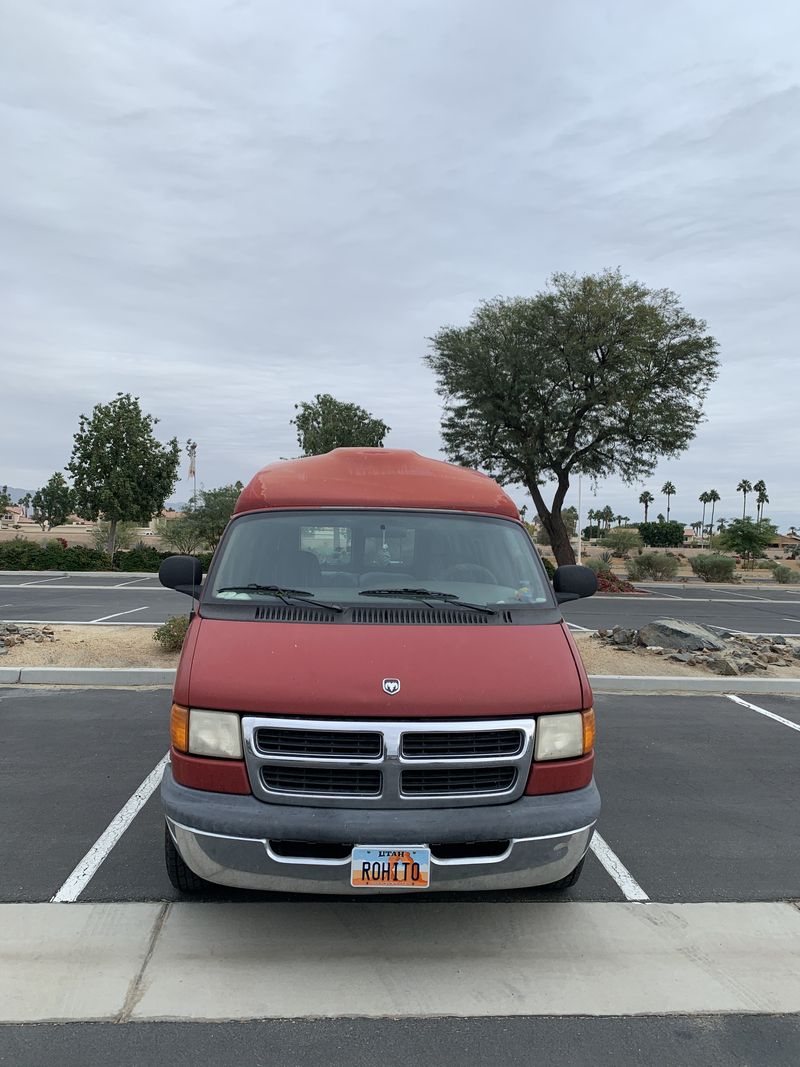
x: 182, y: 877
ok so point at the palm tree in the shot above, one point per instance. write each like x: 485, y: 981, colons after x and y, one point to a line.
x: 697, y: 527
x: 714, y: 498
x: 608, y: 516
x: 793, y: 531
x: 704, y: 499
x: 761, y: 488
x: 618, y: 519
x: 668, y: 489
x: 721, y: 524
x: 647, y: 499
x: 660, y: 518
x: 744, y: 487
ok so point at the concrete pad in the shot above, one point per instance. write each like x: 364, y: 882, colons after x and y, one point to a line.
x: 228, y: 961
x: 71, y: 961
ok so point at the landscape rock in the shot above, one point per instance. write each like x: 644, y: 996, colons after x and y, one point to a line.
x: 721, y: 664
x: 682, y: 636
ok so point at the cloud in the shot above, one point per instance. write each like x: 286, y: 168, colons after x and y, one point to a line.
x: 228, y: 207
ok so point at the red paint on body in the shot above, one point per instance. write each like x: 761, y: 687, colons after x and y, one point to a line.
x: 374, y: 478
x: 445, y: 671
x: 212, y: 775
x: 560, y: 776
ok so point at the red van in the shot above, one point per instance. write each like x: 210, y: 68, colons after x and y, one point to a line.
x: 377, y: 691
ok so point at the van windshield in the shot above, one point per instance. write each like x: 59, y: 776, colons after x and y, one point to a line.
x: 338, y: 556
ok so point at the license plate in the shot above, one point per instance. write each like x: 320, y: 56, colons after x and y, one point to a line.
x: 390, y: 867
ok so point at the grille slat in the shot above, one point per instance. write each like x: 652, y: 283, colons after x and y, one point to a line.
x: 443, y: 745
x: 334, y: 781
x: 458, y: 780
x: 291, y: 742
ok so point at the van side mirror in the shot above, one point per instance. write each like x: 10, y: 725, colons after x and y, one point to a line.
x: 572, y: 582
x: 184, y: 574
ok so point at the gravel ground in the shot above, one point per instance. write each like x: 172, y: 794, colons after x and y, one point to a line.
x: 92, y: 646
x: 129, y: 646
x: 601, y: 658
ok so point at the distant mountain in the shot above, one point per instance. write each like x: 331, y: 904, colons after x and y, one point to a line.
x: 16, y: 493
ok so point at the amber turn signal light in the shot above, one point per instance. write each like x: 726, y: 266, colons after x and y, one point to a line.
x: 179, y: 728
x: 588, y: 730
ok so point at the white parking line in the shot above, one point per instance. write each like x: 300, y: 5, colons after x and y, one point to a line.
x: 39, y: 581
x: 105, y: 618
x: 616, y: 868
x: 90, y: 864
x: 124, y: 585
x: 763, y: 711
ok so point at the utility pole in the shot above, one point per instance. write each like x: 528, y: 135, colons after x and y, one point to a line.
x: 580, y: 538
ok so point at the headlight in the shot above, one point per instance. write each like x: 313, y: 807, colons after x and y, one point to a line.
x: 215, y: 733
x: 558, y: 736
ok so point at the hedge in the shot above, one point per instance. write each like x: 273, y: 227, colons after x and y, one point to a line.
x: 23, y: 555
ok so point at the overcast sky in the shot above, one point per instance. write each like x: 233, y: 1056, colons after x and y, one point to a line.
x: 225, y: 208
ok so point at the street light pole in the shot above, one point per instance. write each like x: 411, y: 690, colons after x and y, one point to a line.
x: 580, y: 540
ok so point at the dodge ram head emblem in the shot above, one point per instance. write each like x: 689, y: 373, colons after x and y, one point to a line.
x: 391, y: 686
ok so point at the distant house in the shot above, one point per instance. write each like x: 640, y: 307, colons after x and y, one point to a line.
x: 14, y: 515
x: 785, y: 541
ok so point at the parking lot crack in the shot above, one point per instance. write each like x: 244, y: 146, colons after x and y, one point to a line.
x: 136, y: 988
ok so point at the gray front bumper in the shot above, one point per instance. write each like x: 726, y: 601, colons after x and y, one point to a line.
x: 226, y: 839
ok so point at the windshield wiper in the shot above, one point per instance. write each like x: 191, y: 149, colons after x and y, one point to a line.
x: 426, y: 595
x: 286, y: 595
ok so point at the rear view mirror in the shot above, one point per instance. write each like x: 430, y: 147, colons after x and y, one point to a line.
x: 184, y: 574
x: 572, y: 582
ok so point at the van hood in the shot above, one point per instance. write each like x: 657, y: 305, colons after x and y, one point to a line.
x: 319, y: 670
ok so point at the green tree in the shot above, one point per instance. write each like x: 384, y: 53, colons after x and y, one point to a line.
x: 53, y: 503
x: 748, y: 539
x: 212, y: 513
x: 181, y: 535
x: 5, y: 499
x: 597, y: 376
x: 669, y: 490
x: 705, y: 500
x: 714, y: 499
x: 120, y: 471
x: 744, y: 487
x: 647, y: 499
x: 124, y: 538
x: 760, y: 488
x: 25, y: 502
x: 327, y: 423
x: 621, y: 541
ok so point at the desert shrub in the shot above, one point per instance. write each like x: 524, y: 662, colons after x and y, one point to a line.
x: 19, y: 555
x: 170, y: 635
x: 206, y: 557
x: 607, y: 557
x: 621, y: 541
x: 590, y: 533
x: 783, y: 574
x: 598, y: 565
x: 766, y: 564
x: 548, y: 566
x: 714, y: 568
x: 656, y: 566
x: 662, y: 534
x: 610, y: 583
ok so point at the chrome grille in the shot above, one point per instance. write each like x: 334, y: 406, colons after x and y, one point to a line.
x: 358, y: 763
x: 321, y: 781
x: 275, y: 741
x: 457, y: 780
x: 450, y: 744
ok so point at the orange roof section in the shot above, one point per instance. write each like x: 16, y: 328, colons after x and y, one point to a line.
x: 374, y: 478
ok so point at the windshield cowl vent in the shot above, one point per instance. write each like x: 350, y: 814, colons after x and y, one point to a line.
x: 399, y: 616
x: 293, y: 613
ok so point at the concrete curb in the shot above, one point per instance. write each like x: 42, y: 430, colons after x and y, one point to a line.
x: 618, y: 683
x: 96, y: 676
x: 601, y: 683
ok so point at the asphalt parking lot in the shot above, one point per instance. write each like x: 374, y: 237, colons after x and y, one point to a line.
x: 700, y: 805
x: 128, y: 599
x: 699, y: 797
